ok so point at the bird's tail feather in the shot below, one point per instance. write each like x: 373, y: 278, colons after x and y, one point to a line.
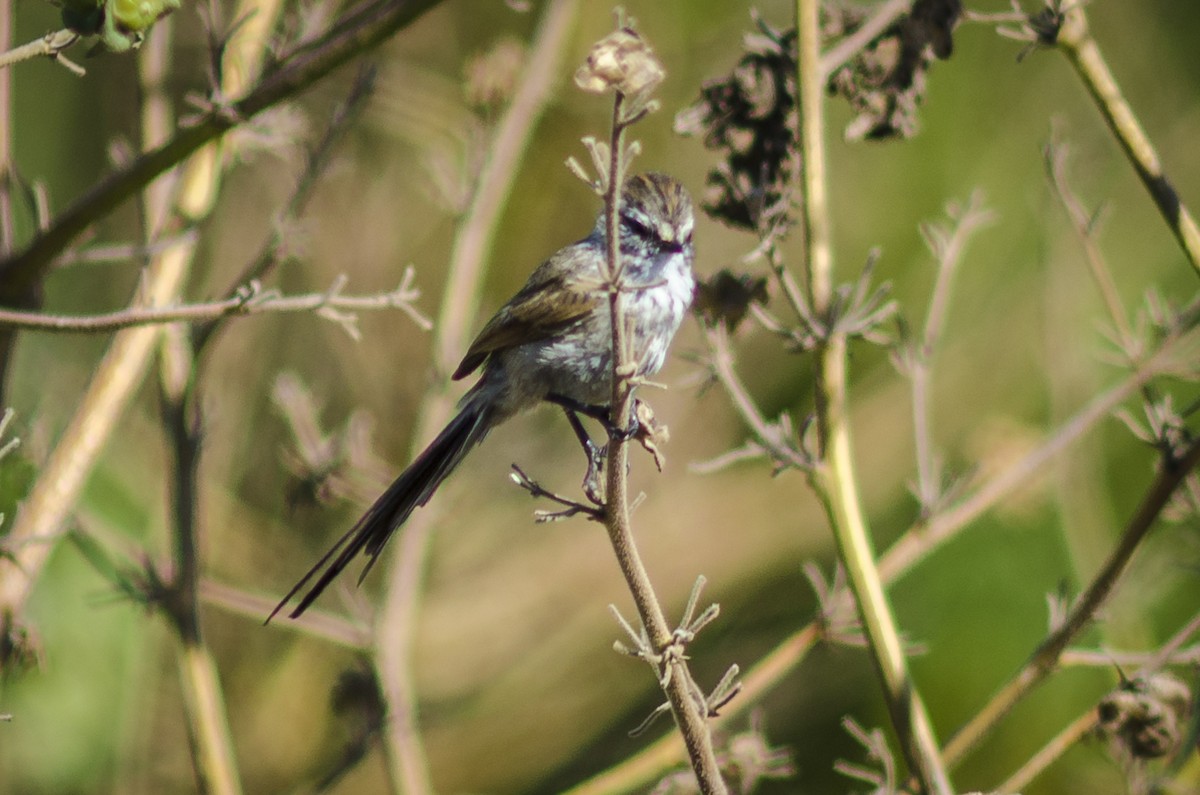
x: 412, y: 489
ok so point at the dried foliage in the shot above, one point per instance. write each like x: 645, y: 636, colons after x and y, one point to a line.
x: 885, y: 83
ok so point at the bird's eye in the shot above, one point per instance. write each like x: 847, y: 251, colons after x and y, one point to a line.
x: 637, y: 227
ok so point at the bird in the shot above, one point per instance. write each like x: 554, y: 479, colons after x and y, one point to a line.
x: 551, y: 342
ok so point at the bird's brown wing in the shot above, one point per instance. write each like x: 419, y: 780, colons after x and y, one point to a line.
x: 550, y: 301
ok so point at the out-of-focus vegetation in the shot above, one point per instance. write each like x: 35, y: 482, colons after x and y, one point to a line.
x: 519, y: 690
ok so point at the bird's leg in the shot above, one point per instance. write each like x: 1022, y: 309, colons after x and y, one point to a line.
x: 595, y: 457
x: 601, y: 415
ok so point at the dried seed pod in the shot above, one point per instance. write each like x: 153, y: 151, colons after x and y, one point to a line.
x: 1145, y: 718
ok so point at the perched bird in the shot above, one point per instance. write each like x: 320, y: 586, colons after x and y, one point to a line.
x: 551, y: 342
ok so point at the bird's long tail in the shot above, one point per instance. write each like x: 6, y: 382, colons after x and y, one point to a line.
x: 413, y: 488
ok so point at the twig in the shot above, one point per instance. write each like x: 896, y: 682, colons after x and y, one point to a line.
x: 204, y: 704
x: 1083, y: 222
x: 251, y: 299
x: 51, y: 46
x: 1045, y: 657
x: 909, y: 550
x: 833, y: 477
x: 771, y: 436
x: 357, y: 31
x: 880, y: 20
x: 396, y: 624
x: 1072, y: 734
x: 1076, y: 43
x: 570, y: 507
x: 314, y: 622
x: 676, y: 679
x: 1082, y: 726
x: 947, y: 251
x: 213, y: 752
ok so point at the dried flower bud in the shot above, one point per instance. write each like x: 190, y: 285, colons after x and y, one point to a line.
x: 726, y: 297
x: 1146, y: 718
x: 490, y: 77
x: 621, y: 61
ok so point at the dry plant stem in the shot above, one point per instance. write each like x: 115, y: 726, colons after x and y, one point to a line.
x: 881, y: 18
x: 1077, y: 44
x: 396, y: 625
x: 358, y: 30
x: 118, y: 374
x: 55, y: 491
x: 912, y: 548
x: 1082, y: 223
x: 678, y: 684
x: 57, y: 487
x: 1045, y: 658
x: 1082, y: 726
x: 1077, y: 730
x: 315, y: 622
x: 51, y: 45
x: 205, y: 711
x: 928, y: 487
x: 833, y: 477
x: 204, y: 704
x: 649, y: 764
x: 246, y: 304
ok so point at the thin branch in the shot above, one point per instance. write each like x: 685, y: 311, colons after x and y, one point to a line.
x: 396, y: 623
x: 901, y: 558
x: 1082, y: 727
x: 1045, y: 658
x: 360, y: 29
x: 51, y: 46
x: 204, y: 704
x: 1083, y: 222
x: 315, y: 622
x: 1076, y: 43
x: 675, y: 677
x: 1077, y: 730
x: 882, y: 17
x: 771, y: 436
x: 251, y: 299
x: 947, y: 251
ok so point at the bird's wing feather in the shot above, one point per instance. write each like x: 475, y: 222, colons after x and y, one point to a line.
x: 546, y: 304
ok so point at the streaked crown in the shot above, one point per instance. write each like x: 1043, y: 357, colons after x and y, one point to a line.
x: 657, y: 209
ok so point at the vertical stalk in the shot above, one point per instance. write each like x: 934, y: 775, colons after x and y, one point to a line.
x: 677, y: 683
x: 833, y: 477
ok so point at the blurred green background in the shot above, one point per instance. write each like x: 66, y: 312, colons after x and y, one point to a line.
x: 520, y: 689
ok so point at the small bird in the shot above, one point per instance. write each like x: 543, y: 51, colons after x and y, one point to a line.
x: 551, y: 342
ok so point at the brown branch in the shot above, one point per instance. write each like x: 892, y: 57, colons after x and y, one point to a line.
x: 251, y: 300
x: 1045, y: 658
x: 51, y: 46
x: 362, y: 28
x: 901, y: 558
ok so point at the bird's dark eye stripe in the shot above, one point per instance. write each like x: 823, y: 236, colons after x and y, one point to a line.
x: 636, y: 225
